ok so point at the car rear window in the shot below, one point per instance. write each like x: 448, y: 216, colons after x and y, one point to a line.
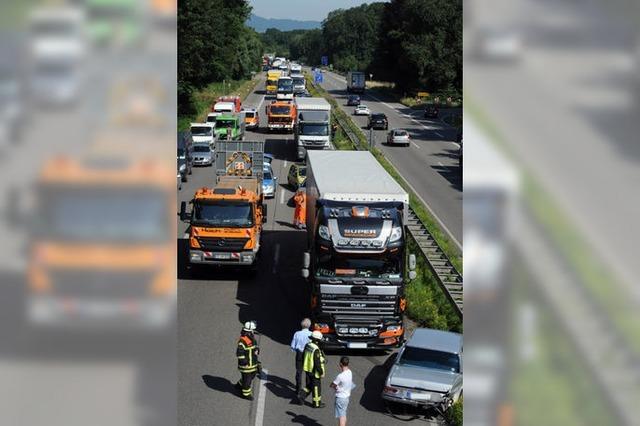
x: 378, y: 116
x: 401, y: 133
x: 426, y: 358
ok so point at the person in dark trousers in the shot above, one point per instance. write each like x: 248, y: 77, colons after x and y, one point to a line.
x: 313, y: 364
x: 247, y: 354
x: 298, y: 343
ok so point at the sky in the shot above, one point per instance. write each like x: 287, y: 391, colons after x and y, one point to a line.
x: 302, y: 10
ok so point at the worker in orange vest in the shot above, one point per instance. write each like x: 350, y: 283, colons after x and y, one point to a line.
x: 300, y: 214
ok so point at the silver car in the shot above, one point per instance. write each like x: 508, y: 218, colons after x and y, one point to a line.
x: 398, y: 137
x: 427, y: 370
x: 202, y: 155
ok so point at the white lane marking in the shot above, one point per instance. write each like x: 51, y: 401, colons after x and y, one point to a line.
x: 281, y: 196
x: 262, y: 396
x: 276, y: 258
x: 285, y: 164
x: 440, y: 164
x: 415, y: 144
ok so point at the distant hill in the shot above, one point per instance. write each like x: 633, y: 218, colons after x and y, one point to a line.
x: 262, y: 24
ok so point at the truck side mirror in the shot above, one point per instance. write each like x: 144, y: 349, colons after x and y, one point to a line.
x: 184, y: 216
x: 412, y: 275
x: 412, y: 262
x: 305, y: 273
x: 306, y: 260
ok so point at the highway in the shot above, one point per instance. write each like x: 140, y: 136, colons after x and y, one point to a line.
x: 429, y: 165
x: 213, y: 304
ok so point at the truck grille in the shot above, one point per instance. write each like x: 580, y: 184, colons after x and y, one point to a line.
x: 359, y: 305
x: 222, y: 244
x: 313, y: 143
x: 107, y: 285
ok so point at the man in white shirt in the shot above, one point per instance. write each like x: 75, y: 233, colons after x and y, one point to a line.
x: 299, y: 341
x: 343, y: 385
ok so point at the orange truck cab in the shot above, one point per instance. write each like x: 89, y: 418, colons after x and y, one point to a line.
x: 281, y: 115
x: 226, y: 221
x: 102, y: 253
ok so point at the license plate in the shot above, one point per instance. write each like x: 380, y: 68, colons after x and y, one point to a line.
x: 356, y: 345
x: 222, y: 256
x: 419, y: 396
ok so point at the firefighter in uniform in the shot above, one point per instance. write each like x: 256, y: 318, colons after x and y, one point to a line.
x: 314, y: 366
x: 247, y: 354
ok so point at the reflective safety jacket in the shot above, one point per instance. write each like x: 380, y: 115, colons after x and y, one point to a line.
x: 247, y: 354
x: 314, y: 360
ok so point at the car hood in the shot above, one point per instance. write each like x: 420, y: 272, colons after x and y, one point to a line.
x: 203, y: 154
x: 422, y: 378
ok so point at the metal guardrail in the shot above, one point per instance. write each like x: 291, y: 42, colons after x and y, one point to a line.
x: 446, y: 275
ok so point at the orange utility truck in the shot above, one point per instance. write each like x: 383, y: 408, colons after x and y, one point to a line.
x: 101, y: 255
x: 281, y: 115
x: 226, y: 220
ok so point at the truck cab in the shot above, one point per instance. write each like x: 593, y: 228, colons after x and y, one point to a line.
x: 101, y: 242
x: 281, y: 115
x: 230, y: 126
x: 312, y: 129
x: 226, y: 220
x: 285, y: 88
x: 271, y: 85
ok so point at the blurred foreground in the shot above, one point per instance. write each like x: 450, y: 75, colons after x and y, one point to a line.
x: 87, y: 95
x: 552, y: 330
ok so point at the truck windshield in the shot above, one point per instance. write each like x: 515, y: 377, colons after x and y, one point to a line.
x: 314, y: 129
x: 280, y: 110
x: 284, y: 85
x: 335, y: 265
x: 298, y: 81
x: 201, y: 131
x: 272, y: 82
x: 426, y: 358
x: 226, y: 214
x: 103, y: 215
x: 225, y: 124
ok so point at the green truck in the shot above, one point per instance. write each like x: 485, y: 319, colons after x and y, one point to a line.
x: 116, y: 23
x: 229, y: 127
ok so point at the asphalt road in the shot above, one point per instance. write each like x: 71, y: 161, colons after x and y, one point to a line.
x: 214, y: 303
x: 429, y: 164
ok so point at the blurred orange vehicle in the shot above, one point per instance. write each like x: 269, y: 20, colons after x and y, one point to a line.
x: 251, y: 118
x: 102, y: 247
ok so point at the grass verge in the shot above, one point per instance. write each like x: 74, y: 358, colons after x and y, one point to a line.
x: 203, y: 99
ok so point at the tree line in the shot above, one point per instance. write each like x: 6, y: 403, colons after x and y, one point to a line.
x: 417, y: 44
x: 214, y: 44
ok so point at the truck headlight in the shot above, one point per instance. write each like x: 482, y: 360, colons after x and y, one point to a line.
x: 393, y: 328
x: 323, y: 231
x: 396, y: 234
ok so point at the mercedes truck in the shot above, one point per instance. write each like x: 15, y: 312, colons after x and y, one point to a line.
x: 313, y: 129
x: 356, y: 261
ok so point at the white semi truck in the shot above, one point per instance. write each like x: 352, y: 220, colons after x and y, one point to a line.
x: 314, y: 125
x: 357, y: 260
